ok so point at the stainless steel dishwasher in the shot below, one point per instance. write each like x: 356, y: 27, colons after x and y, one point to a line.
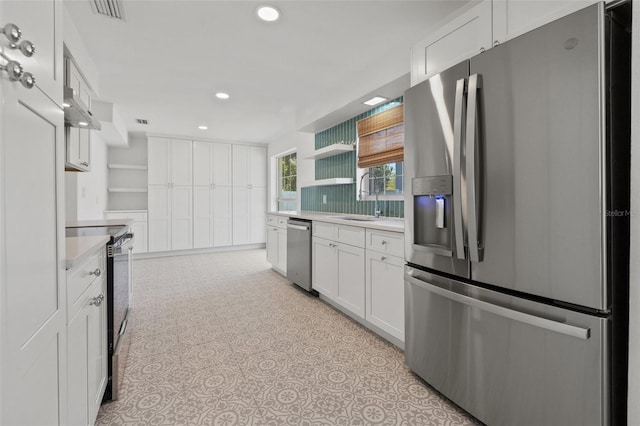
x: 299, y: 252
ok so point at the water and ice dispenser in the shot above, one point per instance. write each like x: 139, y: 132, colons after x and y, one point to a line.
x: 433, y: 214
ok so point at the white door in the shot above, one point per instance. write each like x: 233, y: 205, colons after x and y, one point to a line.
x: 221, y: 160
x: 350, y: 290
x: 181, y: 162
x: 222, y: 216
x: 325, y: 267
x: 159, y: 218
x: 257, y: 166
x: 158, y: 153
x: 32, y: 299
x: 202, y: 216
x: 181, y: 218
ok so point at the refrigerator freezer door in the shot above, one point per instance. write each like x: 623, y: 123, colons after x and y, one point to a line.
x: 541, y: 162
x: 505, y: 360
x: 432, y: 223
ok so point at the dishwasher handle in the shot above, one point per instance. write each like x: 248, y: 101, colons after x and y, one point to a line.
x: 298, y: 227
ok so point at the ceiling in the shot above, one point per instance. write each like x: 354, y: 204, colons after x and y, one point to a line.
x: 168, y: 59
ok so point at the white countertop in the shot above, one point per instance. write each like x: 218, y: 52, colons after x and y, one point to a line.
x: 392, y: 224
x: 77, y: 248
x: 98, y: 222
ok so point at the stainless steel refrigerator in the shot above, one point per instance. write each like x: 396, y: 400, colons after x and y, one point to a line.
x: 516, y: 222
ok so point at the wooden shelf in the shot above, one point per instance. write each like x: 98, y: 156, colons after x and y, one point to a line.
x: 334, y: 181
x: 127, y: 166
x: 127, y: 189
x: 331, y: 150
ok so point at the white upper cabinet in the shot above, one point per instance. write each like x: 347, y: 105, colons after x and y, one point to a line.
x: 514, y: 17
x: 462, y: 37
x: 170, y: 161
x: 211, y: 164
x: 485, y: 25
x: 249, y: 166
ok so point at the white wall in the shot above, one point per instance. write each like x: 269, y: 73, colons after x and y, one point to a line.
x: 304, y: 144
x: 634, y: 282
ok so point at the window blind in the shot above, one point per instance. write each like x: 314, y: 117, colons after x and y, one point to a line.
x: 381, y: 138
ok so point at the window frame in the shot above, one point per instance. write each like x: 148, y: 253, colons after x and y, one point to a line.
x: 365, y: 187
x: 279, y: 180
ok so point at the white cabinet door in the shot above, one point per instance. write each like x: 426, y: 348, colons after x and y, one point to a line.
x: 202, y: 166
x: 87, y: 356
x: 222, y: 216
x: 325, y: 267
x: 202, y: 216
x: 257, y: 208
x: 272, y: 246
x: 514, y: 17
x: 181, y: 218
x: 33, y: 287
x: 159, y: 218
x: 282, y: 251
x: 351, y: 278
x: 221, y: 160
x: 385, y: 293
x: 240, y: 165
x: 97, y: 349
x: 78, y: 149
x: 139, y: 229
x: 240, y: 215
x: 257, y: 166
x: 181, y: 162
x: 463, y: 37
x: 159, y: 152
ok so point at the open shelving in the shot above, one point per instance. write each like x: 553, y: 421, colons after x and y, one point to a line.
x: 331, y: 150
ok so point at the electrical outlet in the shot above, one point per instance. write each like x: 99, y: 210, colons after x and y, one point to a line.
x: 324, y: 198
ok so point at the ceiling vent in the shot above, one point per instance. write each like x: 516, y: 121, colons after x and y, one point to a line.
x: 110, y: 8
x: 142, y: 121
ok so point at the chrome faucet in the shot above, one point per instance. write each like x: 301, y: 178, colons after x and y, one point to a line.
x: 376, y: 207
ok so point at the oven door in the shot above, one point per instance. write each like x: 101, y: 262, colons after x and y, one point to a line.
x: 121, y: 283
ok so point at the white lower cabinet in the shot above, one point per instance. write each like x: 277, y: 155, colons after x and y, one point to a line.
x: 212, y: 222
x: 338, y: 268
x: 248, y: 215
x: 170, y: 217
x: 138, y: 226
x: 385, y: 293
x: 277, y: 243
x: 86, y: 340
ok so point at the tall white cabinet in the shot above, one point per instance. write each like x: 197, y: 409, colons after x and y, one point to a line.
x: 249, y: 194
x: 212, y: 194
x: 170, y: 194
x: 32, y: 282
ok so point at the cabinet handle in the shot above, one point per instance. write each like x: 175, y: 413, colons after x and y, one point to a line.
x: 28, y: 80
x: 383, y: 258
x: 14, y: 70
x: 384, y: 243
x: 26, y: 47
x: 97, y: 301
x: 482, y: 50
x: 495, y: 43
x: 12, y: 32
x: 84, y: 163
x: 250, y: 186
x: 97, y: 272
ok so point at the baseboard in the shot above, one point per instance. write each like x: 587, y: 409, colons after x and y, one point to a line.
x: 157, y: 254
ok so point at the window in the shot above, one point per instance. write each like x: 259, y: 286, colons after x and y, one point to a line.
x: 392, y: 174
x: 287, y: 182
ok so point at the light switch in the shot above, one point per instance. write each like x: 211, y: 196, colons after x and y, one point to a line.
x: 324, y: 198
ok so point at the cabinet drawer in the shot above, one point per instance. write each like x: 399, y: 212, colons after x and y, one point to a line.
x: 323, y: 230
x: 391, y: 243
x: 79, y: 278
x: 272, y: 220
x: 352, y: 235
x: 282, y: 222
x: 136, y: 216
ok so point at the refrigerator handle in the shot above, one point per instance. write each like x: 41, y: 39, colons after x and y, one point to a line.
x: 512, y: 314
x: 471, y: 147
x: 457, y: 170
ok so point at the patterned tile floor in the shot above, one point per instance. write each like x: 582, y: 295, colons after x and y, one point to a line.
x: 221, y: 339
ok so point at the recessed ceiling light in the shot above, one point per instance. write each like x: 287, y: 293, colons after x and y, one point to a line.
x: 222, y: 95
x: 268, y: 13
x: 202, y: 127
x: 82, y: 123
x: 375, y: 101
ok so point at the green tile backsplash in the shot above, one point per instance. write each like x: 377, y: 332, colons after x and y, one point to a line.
x: 342, y: 198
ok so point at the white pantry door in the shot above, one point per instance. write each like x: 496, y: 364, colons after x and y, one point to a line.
x: 32, y: 280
